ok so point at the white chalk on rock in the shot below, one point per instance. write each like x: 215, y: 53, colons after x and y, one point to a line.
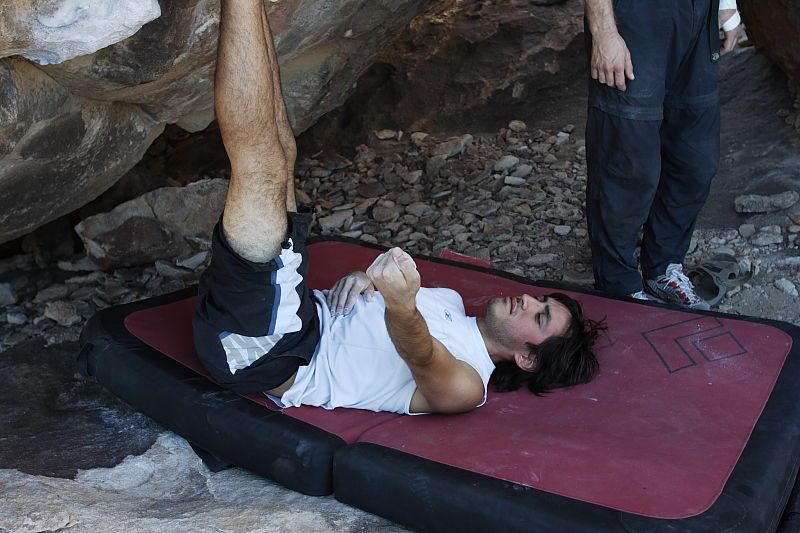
x: 80, y: 27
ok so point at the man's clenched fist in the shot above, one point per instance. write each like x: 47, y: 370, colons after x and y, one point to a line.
x: 395, y: 275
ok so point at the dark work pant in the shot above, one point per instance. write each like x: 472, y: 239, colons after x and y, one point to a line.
x: 652, y: 150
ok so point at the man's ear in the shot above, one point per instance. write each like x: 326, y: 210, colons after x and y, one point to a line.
x: 526, y: 361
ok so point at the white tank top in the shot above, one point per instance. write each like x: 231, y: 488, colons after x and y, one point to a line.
x: 356, y: 364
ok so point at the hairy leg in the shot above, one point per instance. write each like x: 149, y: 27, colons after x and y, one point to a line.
x: 245, y: 89
x: 285, y: 133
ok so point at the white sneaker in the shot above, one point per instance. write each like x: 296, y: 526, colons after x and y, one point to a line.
x: 675, y: 288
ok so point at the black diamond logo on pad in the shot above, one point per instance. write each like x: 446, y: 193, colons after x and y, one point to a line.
x: 683, y: 344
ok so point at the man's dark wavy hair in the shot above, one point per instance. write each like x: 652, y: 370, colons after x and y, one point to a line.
x: 562, y: 361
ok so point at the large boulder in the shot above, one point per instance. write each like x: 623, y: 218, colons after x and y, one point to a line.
x: 775, y: 29
x: 69, y: 130
x: 52, y: 32
x: 58, y: 150
x: 464, y: 64
x: 472, y: 57
x: 169, y: 223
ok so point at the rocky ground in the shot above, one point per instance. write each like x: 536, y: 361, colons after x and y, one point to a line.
x: 514, y: 197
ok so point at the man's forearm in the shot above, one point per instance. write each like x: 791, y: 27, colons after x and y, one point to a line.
x: 410, y: 334
x: 600, y: 16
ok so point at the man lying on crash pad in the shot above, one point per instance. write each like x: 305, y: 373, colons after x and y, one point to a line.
x: 376, y: 340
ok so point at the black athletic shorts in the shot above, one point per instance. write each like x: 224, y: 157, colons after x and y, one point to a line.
x: 256, y: 323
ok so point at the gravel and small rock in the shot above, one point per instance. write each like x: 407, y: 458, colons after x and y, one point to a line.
x: 753, y: 203
x: 62, y: 313
x: 787, y: 286
x: 515, y: 198
x: 7, y: 294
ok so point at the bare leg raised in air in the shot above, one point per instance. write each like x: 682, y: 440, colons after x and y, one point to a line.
x: 255, y: 131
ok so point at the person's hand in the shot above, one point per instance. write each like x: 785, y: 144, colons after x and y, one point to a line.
x: 611, y: 60
x: 395, y: 275
x: 731, y: 37
x: 344, y: 292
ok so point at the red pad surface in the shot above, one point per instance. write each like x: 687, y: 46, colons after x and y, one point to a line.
x: 657, y: 433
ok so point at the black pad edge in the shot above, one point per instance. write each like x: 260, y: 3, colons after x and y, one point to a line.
x: 226, y: 425
x: 429, y: 496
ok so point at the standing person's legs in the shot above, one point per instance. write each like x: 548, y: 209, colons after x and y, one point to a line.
x: 255, y: 321
x: 622, y: 158
x: 690, y: 156
x: 623, y: 145
x: 689, y: 152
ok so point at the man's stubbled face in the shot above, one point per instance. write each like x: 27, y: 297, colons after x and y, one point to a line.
x: 514, y: 321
